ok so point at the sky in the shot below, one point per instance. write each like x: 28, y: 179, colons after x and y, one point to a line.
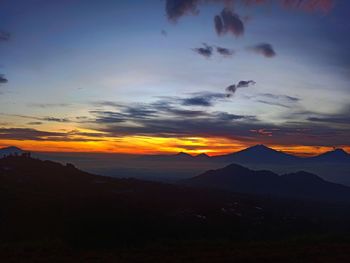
x: 164, y: 76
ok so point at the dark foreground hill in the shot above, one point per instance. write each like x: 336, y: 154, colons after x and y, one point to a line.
x: 301, y: 185
x: 56, y: 213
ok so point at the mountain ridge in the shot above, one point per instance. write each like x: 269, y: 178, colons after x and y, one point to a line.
x: 301, y: 184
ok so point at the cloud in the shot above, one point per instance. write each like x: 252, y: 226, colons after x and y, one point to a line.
x: 48, y: 119
x: 164, y: 33
x: 241, y: 84
x: 205, y: 99
x: 284, y: 101
x: 171, y: 121
x: 167, y: 106
x: 54, y: 119
x: 48, y: 105
x: 3, y: 80
x: 231, y: 89
x: 331, y: 119
x: 339, y: 119
x: 225, y: 51
x: 218, y: 24
x: 278, y: 96
x: 245, y: 83
x: 309, y: 5
x: 38, y: 135
x: 35, y: 123
x: 177, y: 8
x: 27, y: 134
x: 228, y: 22
x: 4, y: 36
x: 264, y: 49
x: 205, y: 51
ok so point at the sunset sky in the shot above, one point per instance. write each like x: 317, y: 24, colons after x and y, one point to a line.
x: 163, y: 76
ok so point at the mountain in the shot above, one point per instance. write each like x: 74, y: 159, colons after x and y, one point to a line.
x: 12, y: 150
x: 333, y: 166
x: 202, y: 156
x: 49, y: 210
x: 337, y: 155
x: 301, y: 185
x: 43, y: 200
x: 181, y: 156
x: 258, y: 154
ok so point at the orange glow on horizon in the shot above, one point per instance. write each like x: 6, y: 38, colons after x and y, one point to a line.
x: 159, y: 145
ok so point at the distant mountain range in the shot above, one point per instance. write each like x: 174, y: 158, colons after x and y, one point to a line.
x: 254, y: 154
x: 44, y: 200
x: 333, y: 166
x: 53, y: 207
x: 301, y: 184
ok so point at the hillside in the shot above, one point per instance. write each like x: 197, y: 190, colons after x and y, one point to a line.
x: 301, y: 184
x: 57, y: 209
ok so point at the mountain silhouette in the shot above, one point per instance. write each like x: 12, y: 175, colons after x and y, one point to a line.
x: 301, y: 184
x: 202, y: 156
x: 45, y: 201
x: 337, y: 155
x: 11, y: 150
x: 258, y: 154
x: 181, y: 156
x: 333, y: 166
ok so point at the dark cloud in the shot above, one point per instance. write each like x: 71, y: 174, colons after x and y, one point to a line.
x: 169, y: 117
x: 205, y: 51
x: 164, y: 33
x: 230, y: 117
x: 38, y: 135
x: 309, y: 5
x: 284, y: 101
x: 176, y: 122
x: 278, y: 96
x: 203, y: 99
x: 273, y: 103
x: 48, y: 119
x: 264, y: 49
x: 27, y: 134
x: 331, y: 120
x: 177, y: 8
x: 4, y: 36
x: 54, y: 119
x: 169, y: 107
x: 192, y: 123
x: 197, y: 101
x: 339, y: 119
x: 3, y: 79
x: 35, y: 123
x: 245, y: 83
x: 225, y: 51
x: 107, y: 117
x: 186, y: 113
x: 228, y: 22
x: 48, y: 105
x: 231, y: 89
x: 241, y: 84
x: 219, y: 26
